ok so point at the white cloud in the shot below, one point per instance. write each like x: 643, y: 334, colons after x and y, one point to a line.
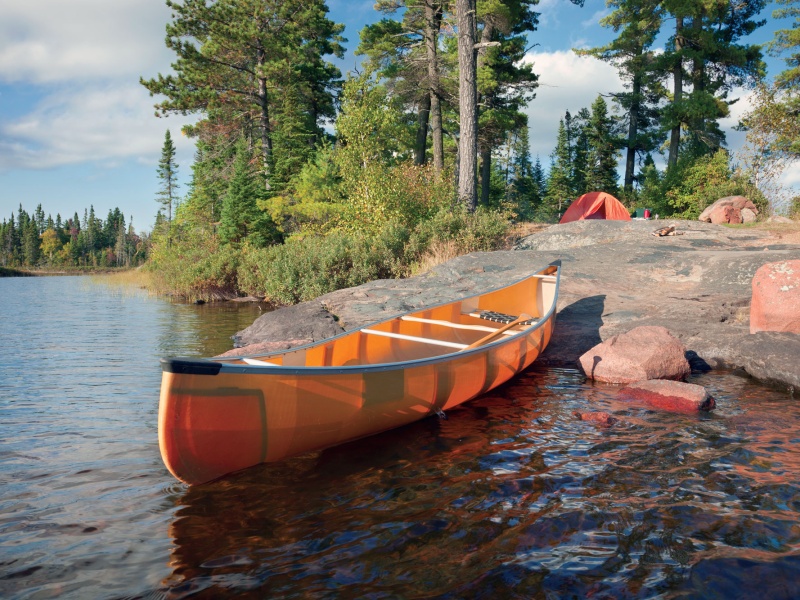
x: 566, y: 82
x: 89, y: 123
x: 48, y: 41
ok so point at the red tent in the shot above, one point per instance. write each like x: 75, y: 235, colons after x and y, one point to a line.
x: 596, y: 205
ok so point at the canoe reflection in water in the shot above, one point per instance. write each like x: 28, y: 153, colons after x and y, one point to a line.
x: 226, y: 414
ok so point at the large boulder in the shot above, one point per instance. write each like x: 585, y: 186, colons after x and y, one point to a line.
x: 673, y: 396
x: 648, y: 352
x: 776, y: 298
x: 299, y: 324
x: 731, y: 209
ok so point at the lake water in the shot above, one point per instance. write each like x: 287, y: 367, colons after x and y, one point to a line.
x: 508, y: 497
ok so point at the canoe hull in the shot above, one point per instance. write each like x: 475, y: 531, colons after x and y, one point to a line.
x: 213, y: 424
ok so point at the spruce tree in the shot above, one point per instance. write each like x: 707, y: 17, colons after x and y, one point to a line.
x: 601, y: 163
x: 539, y: 190
x: 559, y: 180
x: 168, y: 174
x: 240, y: 219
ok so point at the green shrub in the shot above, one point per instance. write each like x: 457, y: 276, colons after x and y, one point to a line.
x: 304, y: 269
x: 206, y: 271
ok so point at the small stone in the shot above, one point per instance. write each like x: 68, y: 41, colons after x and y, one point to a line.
x: 603, y: 418
x: 648, y: 352
x: 776, y: 298
x: 672, y: 396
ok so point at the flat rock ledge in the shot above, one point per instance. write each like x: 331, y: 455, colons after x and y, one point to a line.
x: 672, y: 396
x: 615, y: 276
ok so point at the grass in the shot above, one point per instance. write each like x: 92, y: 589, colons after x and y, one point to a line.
x: 135, y: 277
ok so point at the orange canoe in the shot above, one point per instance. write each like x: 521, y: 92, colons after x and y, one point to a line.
x: 220, y: 415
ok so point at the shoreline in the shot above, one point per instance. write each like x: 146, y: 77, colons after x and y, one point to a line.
x: 616, y: 276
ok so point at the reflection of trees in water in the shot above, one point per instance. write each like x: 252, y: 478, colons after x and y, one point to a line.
x: 203, y: 330
x: 512, y: 496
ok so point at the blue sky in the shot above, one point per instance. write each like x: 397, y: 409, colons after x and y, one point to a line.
x: 77, y: 129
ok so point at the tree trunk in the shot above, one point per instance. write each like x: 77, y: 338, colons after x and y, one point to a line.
x: 467, y: 104
x: 486, y: 144
x: 698, y: 72
x: 633, y: 131
x: 433, y: 23
x: 677, y: 74
x: 486, y: 172
x: 266, y: 138
x: 422, y: 130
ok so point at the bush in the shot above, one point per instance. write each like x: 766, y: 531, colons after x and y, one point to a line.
x: 457, y: 231
x: 206, y: 271
x: 693, y: 185
x: 304, y: 269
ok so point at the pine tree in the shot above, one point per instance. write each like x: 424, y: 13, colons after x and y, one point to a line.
x: 638, y: 23
x: 168, y: 175
x: 237, y: 60
x: 788, y: 40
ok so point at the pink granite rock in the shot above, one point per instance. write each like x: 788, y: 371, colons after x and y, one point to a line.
x: 648, y: 352
x: 673, y: 396
x: 729, y: 210
x: 776, y: 298
x: 603, y: 418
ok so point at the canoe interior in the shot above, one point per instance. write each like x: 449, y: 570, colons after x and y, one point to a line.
x: 359, y: 383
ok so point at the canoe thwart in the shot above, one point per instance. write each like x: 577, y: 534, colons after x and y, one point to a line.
x: 413, y: 338
x: 259, y: 363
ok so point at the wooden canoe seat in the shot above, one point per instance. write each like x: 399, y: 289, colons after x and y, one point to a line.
x: 498, y: 317
x: 451, y: 324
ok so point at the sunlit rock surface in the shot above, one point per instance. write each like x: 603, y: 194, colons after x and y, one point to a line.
x: 776, y: 298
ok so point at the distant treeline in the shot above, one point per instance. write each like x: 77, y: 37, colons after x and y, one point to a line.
x: 35, y: 240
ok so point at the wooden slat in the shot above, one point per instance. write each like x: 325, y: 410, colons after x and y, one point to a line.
x: 451, y: 324
x: 485, y: 340
x: 411, y: 338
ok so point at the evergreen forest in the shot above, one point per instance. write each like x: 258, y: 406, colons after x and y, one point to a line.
x: 34, y: 240
x: 306, y: 180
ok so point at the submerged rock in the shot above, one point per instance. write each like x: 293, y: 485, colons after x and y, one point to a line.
x: 673, y: 396
x: 603, y: 418
x: 776, y: 298
x: 647, y: 352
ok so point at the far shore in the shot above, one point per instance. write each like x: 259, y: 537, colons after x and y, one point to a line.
x: 12, y: 272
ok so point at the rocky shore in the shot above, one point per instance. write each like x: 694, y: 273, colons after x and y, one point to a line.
x: 616, y: 276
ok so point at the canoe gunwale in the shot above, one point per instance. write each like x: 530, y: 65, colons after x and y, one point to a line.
x: 204, y: 366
